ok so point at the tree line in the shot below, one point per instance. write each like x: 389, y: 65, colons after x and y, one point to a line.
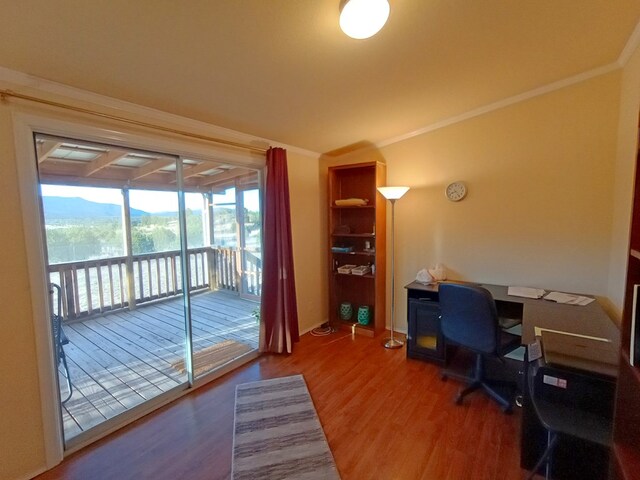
x: 85, y: 239
x: 75, y: 240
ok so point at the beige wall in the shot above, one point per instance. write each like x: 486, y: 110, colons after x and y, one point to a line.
x: 624, y: 178
x: 308, y: 240
x: 540, y: 177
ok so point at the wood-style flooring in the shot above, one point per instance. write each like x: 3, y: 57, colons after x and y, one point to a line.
x: 119, y: 360
x: 385, y: 417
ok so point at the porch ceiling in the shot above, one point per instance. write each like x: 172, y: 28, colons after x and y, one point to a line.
x: 68, y: 162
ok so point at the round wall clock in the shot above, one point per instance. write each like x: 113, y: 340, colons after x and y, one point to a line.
x: 456, y: 191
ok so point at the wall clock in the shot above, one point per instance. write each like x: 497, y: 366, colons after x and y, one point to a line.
x: 456, y: 191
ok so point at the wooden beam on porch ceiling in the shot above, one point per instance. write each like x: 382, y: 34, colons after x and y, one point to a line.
x: 199, y: 169
x: 151, y: 167
x: 46, y: 148
x: 104, y: 161
x: 221, y: 177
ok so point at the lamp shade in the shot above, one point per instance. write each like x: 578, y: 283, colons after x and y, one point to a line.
x: 363, y: 18
x: 393, y: 193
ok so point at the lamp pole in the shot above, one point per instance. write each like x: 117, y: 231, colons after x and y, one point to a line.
x: 392, y: 342
x: 392, y: 194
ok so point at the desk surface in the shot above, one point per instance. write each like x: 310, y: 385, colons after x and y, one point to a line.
x: 589, y: 320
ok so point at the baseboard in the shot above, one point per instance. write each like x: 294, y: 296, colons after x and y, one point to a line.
x: 307, y: 330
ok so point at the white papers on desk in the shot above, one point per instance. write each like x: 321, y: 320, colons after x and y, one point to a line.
x: 567, y: 298
x: 526, y: 292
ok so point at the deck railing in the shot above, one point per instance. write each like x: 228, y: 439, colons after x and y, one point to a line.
x: 252, y: 274
x: 230, y: 276
x: 97, y: 286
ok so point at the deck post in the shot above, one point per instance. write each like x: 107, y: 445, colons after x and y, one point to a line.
x: 67, y: 285
x: 239, y: 270
x: 126, y: 216
x: 211, y: 254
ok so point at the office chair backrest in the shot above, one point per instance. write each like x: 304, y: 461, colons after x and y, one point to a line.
x: 469, y: 317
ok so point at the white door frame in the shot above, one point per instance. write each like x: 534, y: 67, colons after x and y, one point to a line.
x: 25, y: 125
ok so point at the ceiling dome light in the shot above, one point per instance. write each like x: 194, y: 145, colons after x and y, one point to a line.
x: 363, y: 18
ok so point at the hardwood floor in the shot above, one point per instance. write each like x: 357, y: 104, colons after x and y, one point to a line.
x: 385, y: 417
x: 119, y: 360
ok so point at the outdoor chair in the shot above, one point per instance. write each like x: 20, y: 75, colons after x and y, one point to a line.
x: 59, y: 338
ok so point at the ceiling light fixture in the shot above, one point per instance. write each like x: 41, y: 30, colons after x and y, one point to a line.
x: 363, y: 18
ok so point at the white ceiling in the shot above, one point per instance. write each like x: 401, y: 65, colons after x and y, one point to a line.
x: 283, y: 70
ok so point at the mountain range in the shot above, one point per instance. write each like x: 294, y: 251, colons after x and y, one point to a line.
x: 75, y: 207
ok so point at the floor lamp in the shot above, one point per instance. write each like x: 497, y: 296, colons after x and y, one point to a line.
x: 392, y: 194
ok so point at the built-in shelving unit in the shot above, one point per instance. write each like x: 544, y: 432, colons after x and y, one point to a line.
x: 362, y: 231
x: 625, y: 460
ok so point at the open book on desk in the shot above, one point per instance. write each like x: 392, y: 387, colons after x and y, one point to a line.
x: 526, y: 292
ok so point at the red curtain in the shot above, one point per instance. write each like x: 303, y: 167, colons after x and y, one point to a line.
x: 279, y: 310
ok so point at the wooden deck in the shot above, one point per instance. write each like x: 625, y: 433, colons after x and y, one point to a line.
x: 121, y: 359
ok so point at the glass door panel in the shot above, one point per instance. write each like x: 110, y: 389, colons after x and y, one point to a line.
x: 115, y: 272
x: 225, y: 322
x: 126, y: 234
x: 252, y: 242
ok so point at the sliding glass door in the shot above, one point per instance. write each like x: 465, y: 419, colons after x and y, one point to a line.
x: 111, y: 253
x: 227, y: 305
x: 151, y: 284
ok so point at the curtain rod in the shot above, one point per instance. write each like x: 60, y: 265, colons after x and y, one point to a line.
x: 8, y: 93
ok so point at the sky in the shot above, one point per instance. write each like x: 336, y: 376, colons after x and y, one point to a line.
x: 147, y: 200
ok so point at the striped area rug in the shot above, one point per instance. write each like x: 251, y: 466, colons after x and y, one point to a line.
x: 277, y: 434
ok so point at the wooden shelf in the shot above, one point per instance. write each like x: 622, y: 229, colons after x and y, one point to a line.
x: 366, y: 254
x: 624, y: 357
x: 368, y: 275
x: 353, y: 206
x: 355, y: 327
x: 354, y: 235
x: 626, y: 422
x: 366, y: 225
x: 628, y: 461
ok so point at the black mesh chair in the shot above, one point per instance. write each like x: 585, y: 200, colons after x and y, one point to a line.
x: 470, y: 320
x: 59, y: 338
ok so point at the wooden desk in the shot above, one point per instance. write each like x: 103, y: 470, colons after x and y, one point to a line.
x: 588, y: 320
x: 573, y: 459
x: 585, y: 320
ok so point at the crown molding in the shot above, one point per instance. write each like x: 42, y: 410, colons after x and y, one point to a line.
x: 632, y: 44
x: 630, y: 47
x: 20, y: 79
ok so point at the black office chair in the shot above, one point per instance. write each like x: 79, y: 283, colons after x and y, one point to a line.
x: 469, y: 319
x: 59, y: 337
x: 576, y: 418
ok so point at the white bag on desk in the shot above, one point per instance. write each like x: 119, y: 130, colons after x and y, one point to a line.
x: 424, y: 276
